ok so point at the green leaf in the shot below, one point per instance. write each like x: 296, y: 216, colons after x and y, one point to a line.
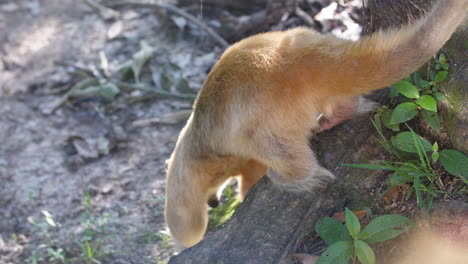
x: 404, y: 112
x: 393, y: 91
x: 427, y: 102
x: 416, y: 79
x: 435, y: 147
x: 396, y: 179
x: 423, y: 83
x: 417, y: 189
x: 455, y: 162
x: 352, y: 222
x: 407, y: 89
x: 364, y: 253
x: 437, y: 67
x: 140, y: 58
x: 420, y: 148
x: 108, y: 90
x: 432, y: 119
x: 445, y: 66
x: 386, y: 116
x: 49, y: 219
x: 331, y: 230
x: 435, y: 156
x: 439, y: 96
x: 385, y: 227
x: 404, y: 141
x: 182, y: 86
x: 163, y: 81
x: 440, y: 76
x: 432, y: 75
x: 442, y: 58
x: 337, y: 253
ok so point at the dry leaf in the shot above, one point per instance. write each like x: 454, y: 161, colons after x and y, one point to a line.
x: 306, y: 258
x: 360, y: 213
x: 392, y: 194
x: 115, y: 30
x: 83, y: 148
x: 340, y: 216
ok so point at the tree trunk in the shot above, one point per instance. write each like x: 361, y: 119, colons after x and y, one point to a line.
x: 270, y: 224
x: 455, y: 110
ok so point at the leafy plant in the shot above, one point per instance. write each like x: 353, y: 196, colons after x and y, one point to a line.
x: 48, y: 250
x: 419, y: 157
x: 90, y: 241
x: 416, y: 156
x: 108, y: 85
x: 219, y: 215
x: 418, y: 96
x: 350, y: 242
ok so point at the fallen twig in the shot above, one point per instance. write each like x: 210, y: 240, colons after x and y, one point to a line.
x: 306, y: 18
x: 159, y: 94
x: 178, y: 11
x: 168, y: 119
x: 85, y: 88
x: 91, y: 87
x: 103, y: 11
x: 84, y: 71
x: 152, y: 93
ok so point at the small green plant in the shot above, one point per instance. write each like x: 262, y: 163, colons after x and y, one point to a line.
x: 219, y: 215
x: 419, y: 157
x: 124, y: 81
x: 416, y: 156
x: 90, y: 242
x: 352, y: 243
x: 418, y: 96
x: 48, y: 250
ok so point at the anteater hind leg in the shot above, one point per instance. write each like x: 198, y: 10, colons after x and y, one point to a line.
x: 292, y: 164
x: 251, y: 173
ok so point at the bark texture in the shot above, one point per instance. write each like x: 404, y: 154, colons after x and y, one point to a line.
x: 271, y: 223
x: 455, y: 110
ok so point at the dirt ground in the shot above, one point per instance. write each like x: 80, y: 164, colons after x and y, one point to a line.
x: 83, y: 184
x: 58, y: 205
x: 122, y: 192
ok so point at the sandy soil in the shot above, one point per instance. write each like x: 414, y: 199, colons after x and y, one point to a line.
x: 122, y: 191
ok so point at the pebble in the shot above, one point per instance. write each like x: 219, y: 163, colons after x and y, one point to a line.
x: 9, y: 7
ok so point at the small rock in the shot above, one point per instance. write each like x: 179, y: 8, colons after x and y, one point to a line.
x: 9, y: 7
x: 106, y: 189
x: 115, y: 30
x: 22, y: 239
x: 3, y: 162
